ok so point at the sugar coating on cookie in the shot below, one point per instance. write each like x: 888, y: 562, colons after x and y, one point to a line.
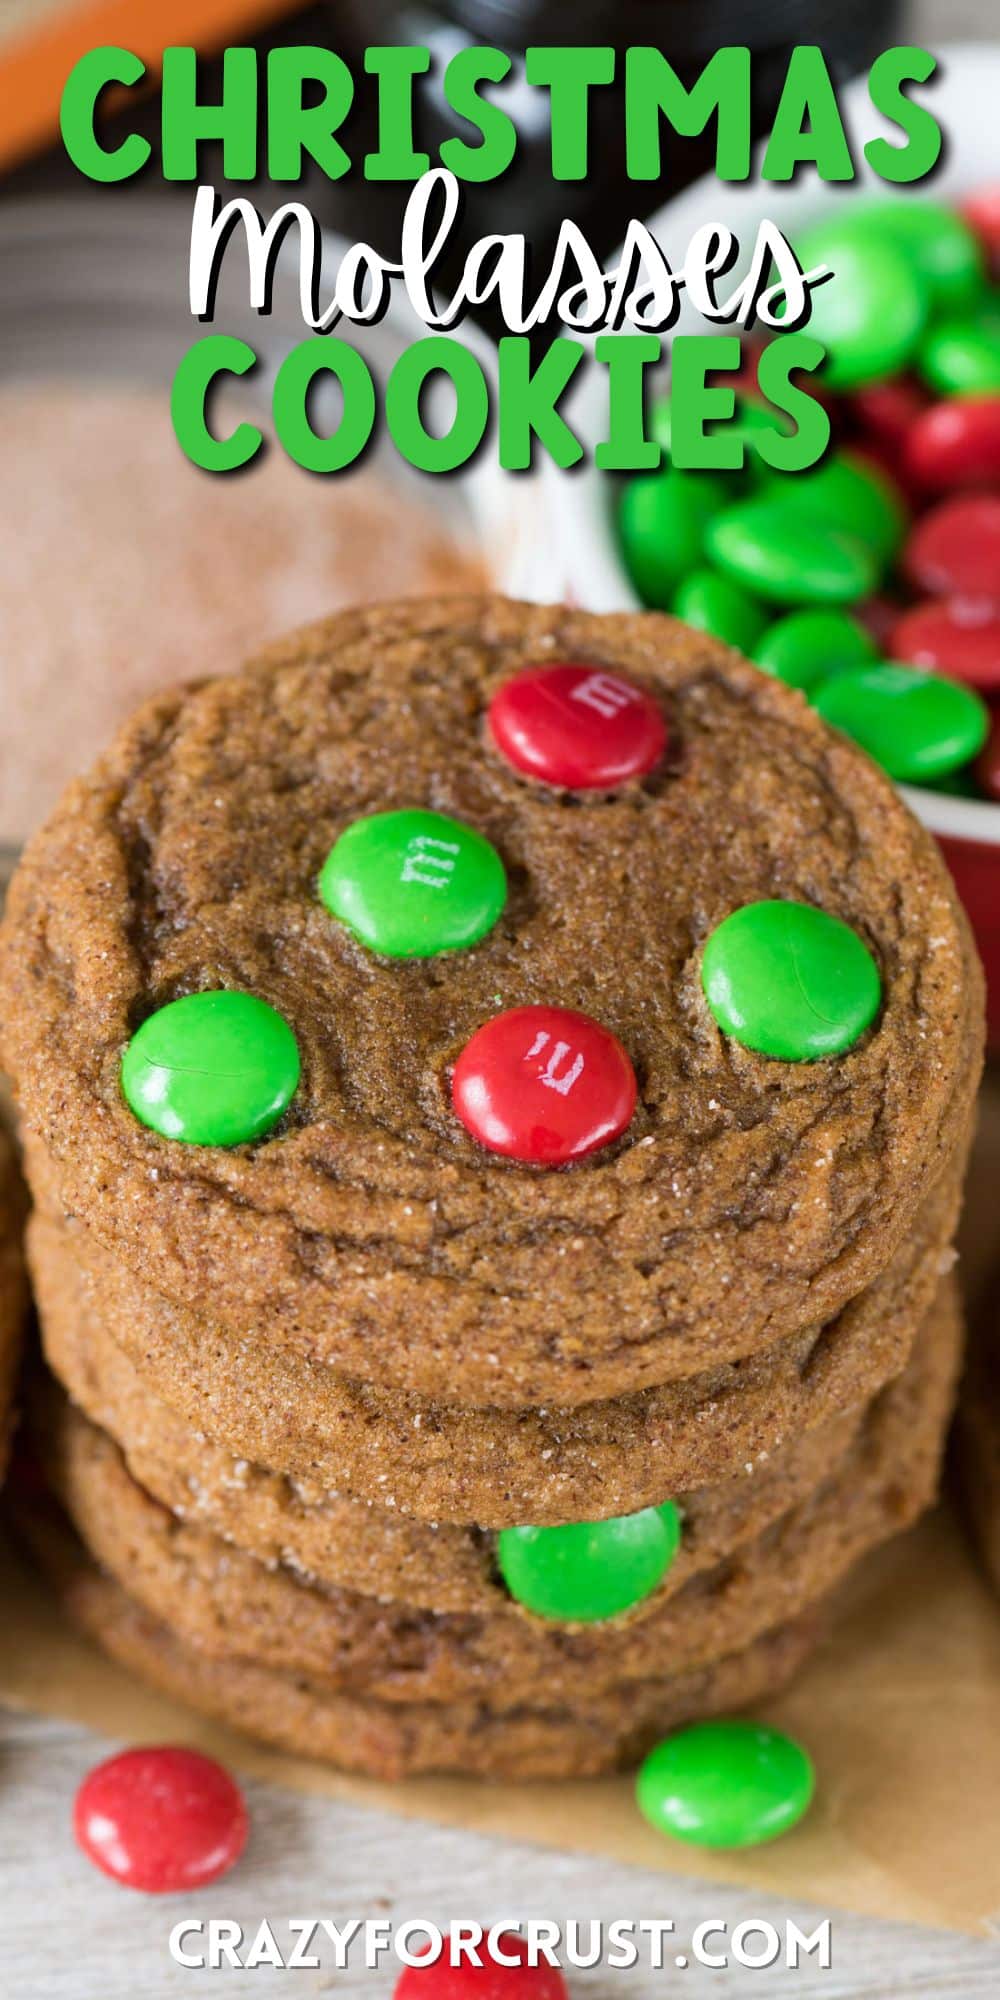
x: 371, y: 1228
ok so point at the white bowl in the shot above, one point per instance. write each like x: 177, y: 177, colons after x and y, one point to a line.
x: 580, y: 558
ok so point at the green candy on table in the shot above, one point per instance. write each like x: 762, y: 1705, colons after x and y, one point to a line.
x: 662, y: 520
x: 961, y: 357
x: 790, y: 981
x: 413, y: 883
x: 778, y: 550
x: 589, y: 1570
x: 725, y: 1784
x: 871, y: 313
x: 213, y: 1069
x: 918, y: 726
x: 850, y: 495
x: 939, y: 244
x: 715, y: 604
x: 806, y: 647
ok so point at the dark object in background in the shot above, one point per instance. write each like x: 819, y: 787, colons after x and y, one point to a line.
x: 850, y: 32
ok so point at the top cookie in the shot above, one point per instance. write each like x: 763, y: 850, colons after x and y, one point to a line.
x: 714, y: 1198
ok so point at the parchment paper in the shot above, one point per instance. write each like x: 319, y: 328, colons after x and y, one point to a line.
x: 900, y: 1709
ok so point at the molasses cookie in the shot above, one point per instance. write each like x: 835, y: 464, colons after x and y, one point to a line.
x: 600, y: 1017
x: 394, y: 1740
x: 280, y: 1415
x: 230, y: 1605
x: 331, y: 1538
x: 374, y: 1550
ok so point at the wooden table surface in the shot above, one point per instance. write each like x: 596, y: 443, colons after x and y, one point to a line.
x: 67, y: 1934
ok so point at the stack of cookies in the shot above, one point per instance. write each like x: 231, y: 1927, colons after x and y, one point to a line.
x: 495, y: 1085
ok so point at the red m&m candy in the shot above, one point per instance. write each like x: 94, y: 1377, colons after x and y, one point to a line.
x: 954, y: 551
x: 580, y: 727
x: 952, y: 635
x: 956, y: 443
x: 544, y: 1085
x: 886, y: 410
x: 878, y: 615
x: 519, y: 1980
x: 161, y: 1819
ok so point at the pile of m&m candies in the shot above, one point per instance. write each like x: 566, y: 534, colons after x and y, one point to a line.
x: 871, y: 581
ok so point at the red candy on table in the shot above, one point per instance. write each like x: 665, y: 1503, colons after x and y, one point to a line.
x: 577, y: 726
x: 952, y: 635
x: 956, y: 443
x: 544, y: 1085
x: 437, y: 1980
x: 954, y: 550
x: 161, y: 1819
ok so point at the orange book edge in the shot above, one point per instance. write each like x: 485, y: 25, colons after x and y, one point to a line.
x: 35, y: 62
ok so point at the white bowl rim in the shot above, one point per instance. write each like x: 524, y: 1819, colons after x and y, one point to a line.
x: 976, y: 820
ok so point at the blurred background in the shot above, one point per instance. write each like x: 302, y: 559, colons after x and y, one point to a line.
x: 39, y: 39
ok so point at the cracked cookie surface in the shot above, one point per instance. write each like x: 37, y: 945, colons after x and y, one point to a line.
x: 748, y: 1198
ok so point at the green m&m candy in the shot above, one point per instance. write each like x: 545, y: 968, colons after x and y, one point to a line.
x: 213, y: 1069
x: 871, y: 313
x: 918, y: 726
x: 725, y: 1784
x: 661, y: 524
x: 790, y: 981
x: 849, y: 495
x: 780, y: 551
x: 714, y: 603
x: 410, y: 884
x: 961, y: 357
x: 806, y: 647
x: 939, y: 245
x: 591, y: 1569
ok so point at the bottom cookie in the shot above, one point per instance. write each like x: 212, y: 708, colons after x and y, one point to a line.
x: 399, y: 1740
